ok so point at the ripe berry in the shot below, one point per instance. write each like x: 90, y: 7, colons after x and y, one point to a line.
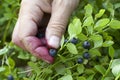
x: 86, y: 45
x: 66, y: 40
x: 80, y: 60
x: 52, y: 52
x: 10, y: 77
x: 40, y: 35
x: 74, y: 40
x: 86, y: 55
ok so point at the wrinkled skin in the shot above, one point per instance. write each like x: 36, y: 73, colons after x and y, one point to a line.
x: 48, y: 16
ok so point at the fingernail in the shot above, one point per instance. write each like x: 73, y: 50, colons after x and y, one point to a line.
x: 54, y: 41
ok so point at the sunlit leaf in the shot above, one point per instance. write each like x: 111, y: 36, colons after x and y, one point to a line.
x: 72, y: 48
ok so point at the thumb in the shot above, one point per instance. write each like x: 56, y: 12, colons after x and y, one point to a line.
x: 61, y: 11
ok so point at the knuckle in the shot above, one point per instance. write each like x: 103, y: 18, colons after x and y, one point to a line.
x: 57, y: 29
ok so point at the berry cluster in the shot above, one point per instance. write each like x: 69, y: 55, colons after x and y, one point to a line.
x: 86, y: 45
x: 86, y: 55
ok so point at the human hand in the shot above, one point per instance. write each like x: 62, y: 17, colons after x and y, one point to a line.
x: 28, y: 23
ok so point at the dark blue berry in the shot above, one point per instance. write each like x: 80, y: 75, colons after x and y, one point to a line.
x: 74, y: 40
x: 97, y: 58
x: 40, y: 35
x: 86, y: 55
x: 0, y: 62
x: 80, y: 60
x: 86, y: 45
x: 10, y: 77
x: 53, y: 52
x: 66, y: 40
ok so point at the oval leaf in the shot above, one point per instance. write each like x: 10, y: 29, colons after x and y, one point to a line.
x: 101, y: 24
x: 72, y: 48
x: 116, y: 70
x: 98, y: 40
x: 100, y: 69
x: 115, y: 24
x: 66, y: 77
x: 101, y: 12
x: 111, y: 52
x: 108, y: 43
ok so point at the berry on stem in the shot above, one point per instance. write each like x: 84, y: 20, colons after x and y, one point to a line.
x: 86, y: 45
x: 53, y: 52
x: 80, y: 60
x: 74, y: 40
x: 66, y: 40
x: 10, y: 77
x: 86, y: 55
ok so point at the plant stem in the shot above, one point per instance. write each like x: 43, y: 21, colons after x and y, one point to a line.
x: 25, y: 71
x: 6, y: 31
x: 117, y: 77
x: 108, y: 70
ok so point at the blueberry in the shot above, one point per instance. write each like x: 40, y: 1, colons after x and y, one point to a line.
x: 40, y: 35
x: 97, y: 58
x: 86, y: 55
x: 10, y: 77
x: 74, y: 40
x: 0, y: 62
x: 80, y: 60
x: 52, y: 52
x: 86, y: 45
x: 66, y: 40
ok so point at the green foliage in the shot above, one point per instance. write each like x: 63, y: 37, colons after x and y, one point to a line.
x: 97, y: 21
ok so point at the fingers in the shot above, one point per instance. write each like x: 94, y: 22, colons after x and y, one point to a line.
x: 61, y: 11
x: 27, y: 27
x: 35, y: 46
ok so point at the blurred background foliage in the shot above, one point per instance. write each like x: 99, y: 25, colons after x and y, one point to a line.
x: 12, y: 58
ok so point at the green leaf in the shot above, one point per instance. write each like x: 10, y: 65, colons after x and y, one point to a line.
x: 74, y: 28
x: 101, y: 12
x: 115, y: 62
x: 109, y: 78
x: 82, y: 37
x: 98, y: 40
x: 116, y: 70
x: 48, y: 71
x: 88, y: 10
x: 100, y: 69
x: 77, y: 26
x: 117, y: 5
x: 35, y: 67
x: 71, y: 30
x: 91, y: 77
x: 66, y: 77
x: 2, y: 69
x: 62, y: 41
x: 60, y: 69
x: 116, y: 67
x: 89, y: 71
x: 88, y: 21
x: 115, y: 24
x: 4, y: 50
x: 111, y: 52
x: 101, y: 24
x: 80, y: 69
x: 10, y: 62
x: 94, y: 52
x: 81, y: 78
x: 108, y: 43
x: 72, y: 48
x: 24, y: 56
